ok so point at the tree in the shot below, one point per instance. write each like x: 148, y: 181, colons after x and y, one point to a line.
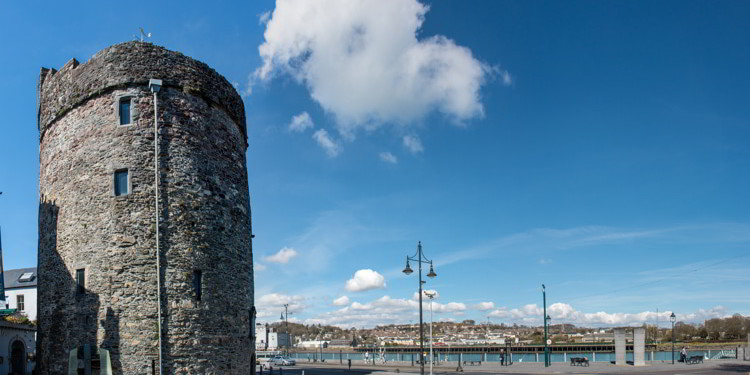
x: 684, y: 331
x: 733, y: 326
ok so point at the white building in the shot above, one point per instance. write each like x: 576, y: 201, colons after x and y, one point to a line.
x: 267, y: 338
x: 20, y: 290
x: 17, y: 347
x: 261, y: 337
x: 278, y: 340
x: 313, y: 344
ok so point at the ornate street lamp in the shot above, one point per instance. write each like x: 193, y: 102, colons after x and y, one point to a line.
x: 672, y: 318
x: 420, y: 258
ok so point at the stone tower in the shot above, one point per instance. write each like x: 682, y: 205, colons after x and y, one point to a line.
x: 97, y: 217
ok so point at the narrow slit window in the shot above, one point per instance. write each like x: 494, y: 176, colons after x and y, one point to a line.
x: 81, y: 281
x: 125, y: 111
x: 121, y: 182
x: 197, y: 284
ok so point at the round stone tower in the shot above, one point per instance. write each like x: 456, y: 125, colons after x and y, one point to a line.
x: 98, y: 261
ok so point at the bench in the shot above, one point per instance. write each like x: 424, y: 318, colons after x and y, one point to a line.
x: 579, y: 361
x: 694, y: 359
x: 473, y: 363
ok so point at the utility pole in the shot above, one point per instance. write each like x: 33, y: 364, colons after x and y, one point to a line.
x: 285, y: 318
x: 546, y: 347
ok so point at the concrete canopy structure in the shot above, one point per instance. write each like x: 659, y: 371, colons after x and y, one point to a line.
x: 97, y: 218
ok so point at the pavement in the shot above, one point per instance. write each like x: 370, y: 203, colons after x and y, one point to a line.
x: 717, y: 367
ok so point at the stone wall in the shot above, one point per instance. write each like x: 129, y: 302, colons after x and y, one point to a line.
x: 127, y: 65
x: 204, y: 208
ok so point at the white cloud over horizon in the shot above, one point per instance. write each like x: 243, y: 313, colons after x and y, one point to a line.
x: 269, y: 304
x: 387, y: 310
x: 365, y: 279
x: 283, y: 256
x: 531, y: 314
x: 484, y: 306
x: 363, y: 62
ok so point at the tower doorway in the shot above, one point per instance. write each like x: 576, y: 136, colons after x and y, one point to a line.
x: 18, y: 358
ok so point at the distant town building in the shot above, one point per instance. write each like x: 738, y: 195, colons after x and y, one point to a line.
x: 20, y: 291
x: 313, y: 344
x: 341, y: 343
x: 266, y: 338
x: 261, y: 337
x: 278, y: 340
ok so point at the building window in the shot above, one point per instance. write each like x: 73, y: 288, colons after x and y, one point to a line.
x: 81, y: 281
x: 197, y: 284
x: 19, y: 302
x: 121, y: 182
x: 124, y: 111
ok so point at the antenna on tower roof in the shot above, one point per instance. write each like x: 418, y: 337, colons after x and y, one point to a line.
x: 144, y: 35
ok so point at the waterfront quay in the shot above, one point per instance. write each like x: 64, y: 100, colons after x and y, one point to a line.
x: 718, y: 367
x: 594, y: 352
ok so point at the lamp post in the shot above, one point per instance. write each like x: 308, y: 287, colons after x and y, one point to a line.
x: 548, y: 340
x: 155, y: 86
x: 672, y: 318
x: 418, y: 258
x: 285, y: 318
x: 545, y: 317
x: 430, y: 295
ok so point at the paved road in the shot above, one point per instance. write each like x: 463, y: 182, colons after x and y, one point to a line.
x: 723, y: 367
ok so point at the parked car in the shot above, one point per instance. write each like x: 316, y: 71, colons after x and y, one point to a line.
x: 281, y: 360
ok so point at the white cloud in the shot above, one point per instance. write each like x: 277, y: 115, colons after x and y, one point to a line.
x: 484, y: 306
x: 563, y: 312
x: 264, y: 17
x: 388, y: 157
x: 413, y: 144
x: 270, y: 305
x: 283, y: 256
x: 507, y: 79
x: 259, y: 267
x: 332, y: 148
x: 301, y: 122
x: 365, y: 279
x: 341, y: 301
x: 362, y: 62
x: 384, y: 310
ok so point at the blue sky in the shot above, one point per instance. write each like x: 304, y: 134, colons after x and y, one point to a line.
x: 598, y: 147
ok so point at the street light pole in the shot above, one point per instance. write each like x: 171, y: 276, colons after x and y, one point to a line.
x: 285, y: 318
x: 407, y: 270
x: 155, y: 86
x: 672, y: 318
x: 546, y: 348
x: 431, y: 295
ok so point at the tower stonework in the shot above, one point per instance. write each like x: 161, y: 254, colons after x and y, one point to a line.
x: 97, y: 220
